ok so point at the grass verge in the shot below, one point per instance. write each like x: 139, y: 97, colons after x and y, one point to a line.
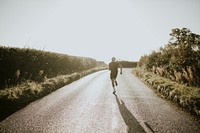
x: 186, y: 97
x: 15, y: 98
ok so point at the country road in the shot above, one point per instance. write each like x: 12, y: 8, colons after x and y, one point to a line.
x: 88, y: 106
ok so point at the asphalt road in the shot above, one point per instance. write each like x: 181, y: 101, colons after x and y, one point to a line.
x: 88, y: 106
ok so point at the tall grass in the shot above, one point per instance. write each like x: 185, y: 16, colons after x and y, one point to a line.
x: 15, y: 98
x: 187, y: 97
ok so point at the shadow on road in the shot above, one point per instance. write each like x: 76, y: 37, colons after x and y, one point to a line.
x: 131, y: 122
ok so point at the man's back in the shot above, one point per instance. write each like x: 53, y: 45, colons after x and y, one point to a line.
x: 113, y: 67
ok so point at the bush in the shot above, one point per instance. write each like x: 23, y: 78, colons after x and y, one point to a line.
x: 18, y: 65
x: 128, y: 64
x: 179, y: 60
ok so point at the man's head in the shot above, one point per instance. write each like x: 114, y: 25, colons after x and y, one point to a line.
x: 113, y: 59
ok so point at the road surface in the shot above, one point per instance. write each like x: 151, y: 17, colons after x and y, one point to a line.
x: 88, y: 106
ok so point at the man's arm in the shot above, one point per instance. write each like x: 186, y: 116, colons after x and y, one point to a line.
x: 120, y: 66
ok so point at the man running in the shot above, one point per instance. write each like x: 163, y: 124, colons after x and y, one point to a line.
x: 113, y: 67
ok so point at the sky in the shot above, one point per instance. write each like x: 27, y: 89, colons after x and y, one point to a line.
x: 100, y: 29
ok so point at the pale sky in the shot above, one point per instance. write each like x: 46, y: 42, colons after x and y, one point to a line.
x: 101, y: 29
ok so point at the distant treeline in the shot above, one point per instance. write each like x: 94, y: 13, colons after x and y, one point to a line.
x: 179, y: 60
x: 128, y: 64
x: 18, y: 65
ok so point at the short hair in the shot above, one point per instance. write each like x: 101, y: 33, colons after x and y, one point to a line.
x: 113, y: 59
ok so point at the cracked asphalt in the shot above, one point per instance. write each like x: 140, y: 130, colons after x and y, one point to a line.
x: 88, y: 106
